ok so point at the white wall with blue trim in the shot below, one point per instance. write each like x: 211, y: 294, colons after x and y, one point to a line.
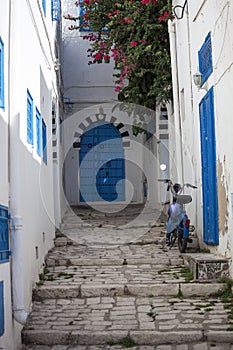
x: 189, y: 35
x: 30, y: 67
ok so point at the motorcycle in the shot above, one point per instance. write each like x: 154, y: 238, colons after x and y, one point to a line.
x: 178, y: 225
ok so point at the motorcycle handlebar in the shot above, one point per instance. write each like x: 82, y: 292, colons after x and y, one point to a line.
x: 170, y: 184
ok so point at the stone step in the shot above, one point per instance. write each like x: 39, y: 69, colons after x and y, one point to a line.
x: 142, y: 320
x: 75, y: 261
x: 203, y: 345
x: 93, y: 290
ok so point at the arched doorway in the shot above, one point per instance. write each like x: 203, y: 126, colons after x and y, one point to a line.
x: 102, y: 164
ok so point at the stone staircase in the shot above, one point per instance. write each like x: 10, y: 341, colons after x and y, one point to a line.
x: 138, y: 294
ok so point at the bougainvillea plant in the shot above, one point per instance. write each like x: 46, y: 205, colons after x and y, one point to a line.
x: 134, y: 34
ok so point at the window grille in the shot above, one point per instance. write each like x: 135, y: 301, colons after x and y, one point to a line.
x: 205, y: 59
x: 38, y: 132
x: 1, y: 74
x: 44, y: 141
x: 56, y: 10
x: 29, y: 118
x: 4, y: 235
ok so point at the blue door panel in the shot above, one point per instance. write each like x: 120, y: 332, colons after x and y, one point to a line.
x: 102, y: 163
x: 2, y: 326
x: 209, y: 171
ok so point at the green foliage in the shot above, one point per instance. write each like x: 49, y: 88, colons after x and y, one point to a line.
x: 135, y: 35
x: 186, y: 274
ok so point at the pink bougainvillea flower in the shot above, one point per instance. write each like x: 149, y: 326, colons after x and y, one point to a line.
x: 143, y: 41
x: 98, y: 56
x: 128, y: 20
x: 109, y: 15
x: 106, y: 57
x: 116, y: 12
x: 133, y: 43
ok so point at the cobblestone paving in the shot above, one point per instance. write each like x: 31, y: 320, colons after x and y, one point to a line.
x: 133, y: 295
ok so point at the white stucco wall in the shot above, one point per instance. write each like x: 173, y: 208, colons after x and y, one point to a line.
x: 204, y: 17
x: 7, y: 340
x: 31, y: 61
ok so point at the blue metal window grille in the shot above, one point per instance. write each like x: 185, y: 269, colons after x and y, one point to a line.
x: 205, y: 59
x: 82, y: 10
x: 4, y: 235
x: 2, y: 326
x: 44, y: 141
x: 38, y: 132
x: 1, y: 74
x: 44, y: 6
x: 55, y: 10
x: 29, y: 118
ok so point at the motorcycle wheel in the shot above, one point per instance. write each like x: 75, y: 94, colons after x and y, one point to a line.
x: 182, y: 243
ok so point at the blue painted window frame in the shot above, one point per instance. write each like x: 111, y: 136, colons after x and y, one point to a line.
x: 38, y: 132
x: 29, y: 118
x: 44, y: 6
x: 55, y: 10
x: 2, y: 322
x: 205, y: 59
x: 2, y: 104
x: 44, y: 141
x: 4, y: 235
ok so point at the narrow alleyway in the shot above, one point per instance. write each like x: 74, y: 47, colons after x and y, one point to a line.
x: 110, y: 283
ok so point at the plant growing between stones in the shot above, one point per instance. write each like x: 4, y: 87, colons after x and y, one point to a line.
x: 126, y: 342
x: 186, y: 274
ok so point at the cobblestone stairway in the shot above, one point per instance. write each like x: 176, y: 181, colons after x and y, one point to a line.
x: 95, y: 296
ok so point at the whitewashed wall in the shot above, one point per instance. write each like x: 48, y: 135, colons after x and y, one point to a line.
x: 215, y: 16
x: 31, y: 60
x: 6, y: 341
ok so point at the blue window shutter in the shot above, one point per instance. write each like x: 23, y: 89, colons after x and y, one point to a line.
x: 4, y: 235
x: 38, y: 132
x: 29, y: 118
x: 1, y: 308
x: 44, y: 6
x: 205, y: 59
x: 55, y: 10
x: 1, y: 74
x: 44, y: 141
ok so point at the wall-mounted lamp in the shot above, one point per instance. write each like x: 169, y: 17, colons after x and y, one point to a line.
x: 56, y: 65
x: 197, y: 79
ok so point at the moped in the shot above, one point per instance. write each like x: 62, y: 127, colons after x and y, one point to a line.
x: 178, y: 225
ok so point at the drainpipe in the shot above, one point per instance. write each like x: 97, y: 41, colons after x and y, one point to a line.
x: 16, y: 226
x: 176, y: 100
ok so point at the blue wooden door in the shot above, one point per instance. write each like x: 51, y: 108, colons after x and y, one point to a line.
x: 102, y: 165
x: 209, y: 171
